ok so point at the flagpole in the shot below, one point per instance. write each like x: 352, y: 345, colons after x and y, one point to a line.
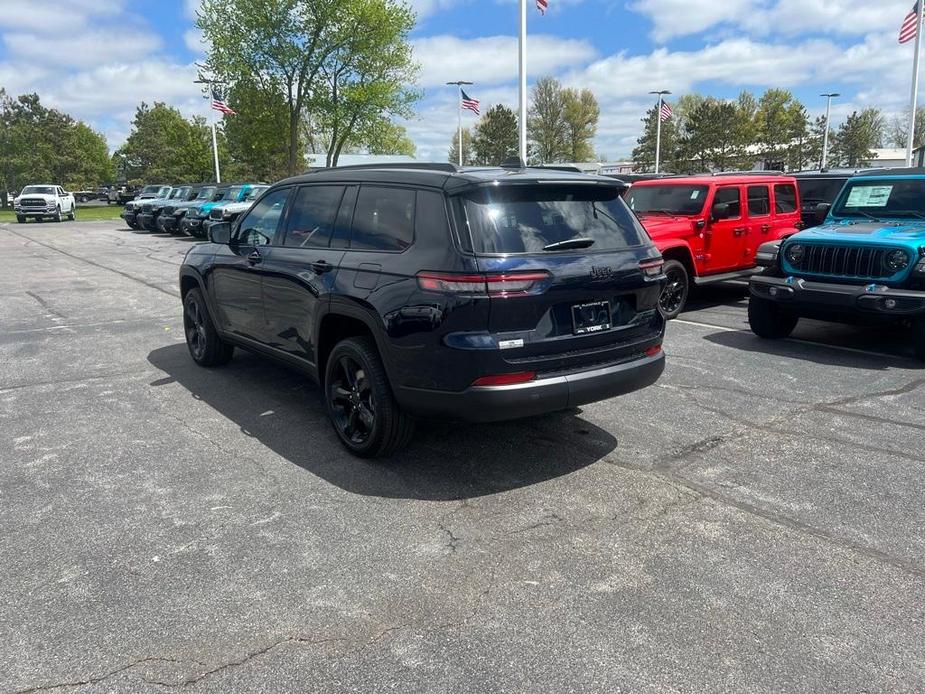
x: 459, y: 119
x: 522, y: 113
x: 920, y: 7
x: 658, y: 132
x: 459, y: 85
x: 218, y: 175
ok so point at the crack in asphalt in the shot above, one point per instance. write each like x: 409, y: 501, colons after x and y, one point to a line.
x: 44, y: 304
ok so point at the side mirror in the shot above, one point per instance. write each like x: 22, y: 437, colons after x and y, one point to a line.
x: 721, y: 211
x: 220, y: 233
x: 822, y: 211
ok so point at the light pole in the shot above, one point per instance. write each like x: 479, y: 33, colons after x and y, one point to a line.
x: 522, y: 85
x: 658, y: 126
x: 459, y: 85
x: 210, y: 85
x: 825, y: 137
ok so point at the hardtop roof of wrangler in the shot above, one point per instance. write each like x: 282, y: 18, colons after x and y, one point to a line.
x: 447, y: 176
x: 724, y: 179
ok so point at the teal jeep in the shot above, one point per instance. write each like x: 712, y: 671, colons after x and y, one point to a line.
x: 864, y: 264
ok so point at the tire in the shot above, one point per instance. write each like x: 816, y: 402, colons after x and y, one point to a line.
x: 205, y: 346
x: 132, y: 225
x: 674, y: 295
x: 768, y: 320
x: 57, y: 216
x: 20, y: 219
x: 918, y: 338
x: 359, y: 401
x: 72, y: 215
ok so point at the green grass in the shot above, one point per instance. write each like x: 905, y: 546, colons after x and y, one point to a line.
x: 91, y: 213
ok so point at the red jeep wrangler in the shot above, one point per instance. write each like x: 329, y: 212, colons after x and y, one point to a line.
x: 709, y: 228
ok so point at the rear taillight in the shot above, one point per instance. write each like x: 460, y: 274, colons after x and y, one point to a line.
x: 500, y: 285
x: 653, y: 351
x: 652, y: 268
x: 505, y: 379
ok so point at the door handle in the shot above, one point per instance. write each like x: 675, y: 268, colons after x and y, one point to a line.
x: 765, y: 228
x: 254, y: 257
x: 322, y: 266
x: 740, y: 231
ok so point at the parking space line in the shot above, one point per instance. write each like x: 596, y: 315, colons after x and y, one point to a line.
x: 708, y: 325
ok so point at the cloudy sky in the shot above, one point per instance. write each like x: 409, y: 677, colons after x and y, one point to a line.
x: 96, y: 59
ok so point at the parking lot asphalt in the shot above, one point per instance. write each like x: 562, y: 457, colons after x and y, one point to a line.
x: 754, y: 522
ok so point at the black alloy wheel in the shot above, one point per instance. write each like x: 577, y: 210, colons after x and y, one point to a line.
x: 353, y: 404
x: 205, y: 345
x: 674, y: 295
x: 195, y: 328
x: 360, y: 402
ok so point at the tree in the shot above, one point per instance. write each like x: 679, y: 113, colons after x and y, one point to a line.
x: 256, y: 151
x: 581, y: 116
x: 780, y: 123
x: 453, y: 154
x: 812, y: 149
x: 897, y: 130
x: 346, y: 59
x: 546, y: 122
x: 386, y: 137
x: 38, y: 144
x: 495, y: 137
x: 165, y: 147
x: 861, y: 133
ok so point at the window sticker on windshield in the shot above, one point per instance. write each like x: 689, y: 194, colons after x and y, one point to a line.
x: 696, y: 193
x: 869, y: 196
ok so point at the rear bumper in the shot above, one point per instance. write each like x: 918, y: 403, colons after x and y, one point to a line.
x: 499, y: 403
x: 803, y: 296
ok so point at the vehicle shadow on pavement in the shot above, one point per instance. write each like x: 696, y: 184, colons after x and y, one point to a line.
x: 818, y: 352
x: 282, y: 409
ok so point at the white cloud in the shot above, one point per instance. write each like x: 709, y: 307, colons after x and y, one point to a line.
x: 53, y: 16
x: 493, y: 59
x: 80, y: 49
x: 673, y: 18
x: 194, y: 41
x: 423, y: 8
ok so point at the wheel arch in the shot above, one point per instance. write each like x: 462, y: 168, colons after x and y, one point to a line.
x: 345, y: 319
x: 682, y: 253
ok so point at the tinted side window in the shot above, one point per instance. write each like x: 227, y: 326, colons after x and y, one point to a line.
x: 383, y: 220
x: 731, y: 197
x: 759, y: 201
x: 785, y: 198
x: 258, y: 227
x: 311, y: 219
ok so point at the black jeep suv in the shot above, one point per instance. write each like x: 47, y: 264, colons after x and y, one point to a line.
x: 434, y: 292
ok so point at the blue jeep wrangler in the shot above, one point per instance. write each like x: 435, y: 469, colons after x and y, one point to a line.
x: 864, y: 264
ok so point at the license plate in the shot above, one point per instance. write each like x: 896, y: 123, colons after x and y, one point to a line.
x: 591, y: 318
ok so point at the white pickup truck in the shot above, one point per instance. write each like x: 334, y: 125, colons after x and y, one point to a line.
x: 44, y: 201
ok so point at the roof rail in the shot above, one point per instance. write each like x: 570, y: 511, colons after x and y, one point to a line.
x: 424, y: 165
x: 893, y: 171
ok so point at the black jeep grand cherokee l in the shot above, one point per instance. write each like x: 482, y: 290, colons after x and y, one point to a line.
x: 427, y: 291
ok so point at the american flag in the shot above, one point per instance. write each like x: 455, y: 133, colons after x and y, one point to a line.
x: 469, y: 103
x: 665, y: 113
x: 218, y: 103
x: 542, y: 5
x: 910, y: 27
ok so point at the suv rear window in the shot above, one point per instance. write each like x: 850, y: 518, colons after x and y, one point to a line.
x: 527, y: 219
x: 383, y: 219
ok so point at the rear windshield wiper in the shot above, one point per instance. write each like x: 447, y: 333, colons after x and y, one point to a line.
x: 571, y: 243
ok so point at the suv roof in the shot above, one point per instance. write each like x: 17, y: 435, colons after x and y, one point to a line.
x: 448, y: 176
x: 710, y: 179
x: 898, y: 171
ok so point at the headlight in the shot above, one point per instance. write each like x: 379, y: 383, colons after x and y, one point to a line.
x: 897, y: 260
x: 796, y: 253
